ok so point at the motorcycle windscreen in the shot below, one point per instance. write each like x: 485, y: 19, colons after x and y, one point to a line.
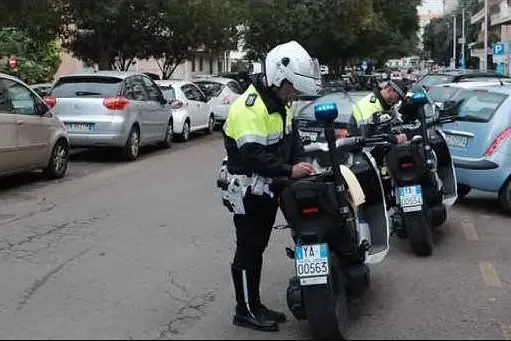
x: 309, y: 128
x: 374, y: 211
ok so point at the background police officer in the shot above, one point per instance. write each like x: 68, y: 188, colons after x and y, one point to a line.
x: 261, y: 142
x: 381, y: 99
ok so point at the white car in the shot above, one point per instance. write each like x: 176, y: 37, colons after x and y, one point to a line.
x: 191, y: 111
x: 221, y: 92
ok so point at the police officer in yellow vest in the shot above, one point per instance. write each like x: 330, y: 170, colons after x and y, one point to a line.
x: 262, y: 144
x: 382, y: 99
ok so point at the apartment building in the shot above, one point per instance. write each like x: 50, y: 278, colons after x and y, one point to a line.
x: 499, y: 22
x: 203, y: 63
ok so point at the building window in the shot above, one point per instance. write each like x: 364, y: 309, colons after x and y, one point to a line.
x: 193, y: 64
x: 210, y: 65
x: 220, y: 66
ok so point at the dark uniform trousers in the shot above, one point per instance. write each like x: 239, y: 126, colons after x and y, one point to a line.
x: 253, y: 231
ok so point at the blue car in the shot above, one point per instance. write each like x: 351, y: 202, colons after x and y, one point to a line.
x: 480, y: 141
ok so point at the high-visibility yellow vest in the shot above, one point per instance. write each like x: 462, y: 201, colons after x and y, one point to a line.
x: 248, y: 121
x: 364, y: 109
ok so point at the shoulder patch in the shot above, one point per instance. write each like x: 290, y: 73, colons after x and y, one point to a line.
x: 373, y: 99
x: 251, y: 100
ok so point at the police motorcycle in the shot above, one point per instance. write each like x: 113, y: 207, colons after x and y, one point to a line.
x: 337, y: 216
x: 338, y: 222
x: 418, y: 175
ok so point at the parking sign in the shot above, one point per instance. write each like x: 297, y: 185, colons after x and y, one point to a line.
x: 498, y: 51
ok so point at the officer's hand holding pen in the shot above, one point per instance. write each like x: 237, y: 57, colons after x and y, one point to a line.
x: 301, y: 169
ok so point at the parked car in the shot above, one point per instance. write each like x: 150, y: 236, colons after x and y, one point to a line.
x: 244, y: 79
x: 42, y: 89
x: 220, y: 92
x: 439, y: 94
x: 190, y: 108
x: 112, y: 109
x: 437, y: 78
x: 31, y: 136
x: 480, y: 141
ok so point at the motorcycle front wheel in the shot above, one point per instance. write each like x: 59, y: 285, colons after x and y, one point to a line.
x: 326, y: 304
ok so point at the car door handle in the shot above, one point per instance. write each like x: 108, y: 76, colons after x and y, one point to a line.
x: 20, y: 122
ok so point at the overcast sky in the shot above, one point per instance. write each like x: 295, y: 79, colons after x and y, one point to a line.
x: 435, y: 6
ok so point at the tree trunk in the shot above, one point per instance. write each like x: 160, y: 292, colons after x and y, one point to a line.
x: 104, y: 62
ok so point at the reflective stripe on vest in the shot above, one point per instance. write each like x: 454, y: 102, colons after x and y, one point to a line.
x: 253, y: 124
x: 364, y: 109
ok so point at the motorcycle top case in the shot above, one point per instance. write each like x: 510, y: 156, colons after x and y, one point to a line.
x: 311, y: 208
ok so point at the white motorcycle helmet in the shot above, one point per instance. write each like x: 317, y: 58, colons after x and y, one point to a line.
x: 291, y: 62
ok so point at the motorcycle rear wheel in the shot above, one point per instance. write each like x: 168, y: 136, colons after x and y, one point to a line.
x: 326, y: 305
x: 420, y: 233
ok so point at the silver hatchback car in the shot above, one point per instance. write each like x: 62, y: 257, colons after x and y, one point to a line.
x: 112, y: 109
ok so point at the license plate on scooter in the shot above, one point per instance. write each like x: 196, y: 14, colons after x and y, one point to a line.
x: 312, y: 263
x: 410, y: 198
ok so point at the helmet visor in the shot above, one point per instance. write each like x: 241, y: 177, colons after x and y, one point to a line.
x: 308, y: 83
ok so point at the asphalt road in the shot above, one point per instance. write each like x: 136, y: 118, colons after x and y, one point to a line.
x: 142, y: 251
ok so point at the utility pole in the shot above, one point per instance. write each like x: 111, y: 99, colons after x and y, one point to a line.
x: 463, y: 42
x: 454, y: 41
x: 485, y: 57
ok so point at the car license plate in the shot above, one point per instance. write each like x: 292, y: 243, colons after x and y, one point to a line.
x: 310, y: 134
x: 410, y: 197
x: 79, y: 126
x: 456, y: 141
x: 312, y: 263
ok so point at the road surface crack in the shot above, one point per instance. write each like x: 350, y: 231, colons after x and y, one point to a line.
x: 42, y: 281
x: 54, y: 229
x: 191, y: 311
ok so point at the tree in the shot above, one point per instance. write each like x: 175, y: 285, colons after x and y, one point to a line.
x: 110, y: 33
x: 37, y: 62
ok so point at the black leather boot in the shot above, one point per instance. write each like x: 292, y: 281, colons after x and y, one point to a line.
x: 248, y: 313
x: 270, y: 314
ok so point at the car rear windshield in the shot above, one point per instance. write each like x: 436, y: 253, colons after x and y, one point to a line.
x: 88, y: 86
x: 168, y: 92
x: 432, y: 80
x: 210, y: 89
x: 478, y: 106
x: 441, y: 94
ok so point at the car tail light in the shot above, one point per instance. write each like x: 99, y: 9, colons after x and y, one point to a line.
x: 116, y: 103
x: 51, y: 101
x: 310, y: 210
x: 177, y: 104
x: 498, y: 141
x: 227, y: 100
x: 407, y: 165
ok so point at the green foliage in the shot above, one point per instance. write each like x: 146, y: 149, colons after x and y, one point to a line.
x: 37, y: 61
x: 334, y: 31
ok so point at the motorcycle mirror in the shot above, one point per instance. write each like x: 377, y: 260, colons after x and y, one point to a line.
x: 449, y: 109
x: 326, y: 113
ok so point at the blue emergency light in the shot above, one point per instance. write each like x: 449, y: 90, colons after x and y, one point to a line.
x: 420, y: 97
x: 326, y: 112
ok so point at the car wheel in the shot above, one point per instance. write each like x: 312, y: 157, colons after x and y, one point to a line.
x: 132, y: 148
x: 185, y: 135
x: 211, y: 125
x: 505, y: 197
x: 59, y: 159
x: 169, y: 135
